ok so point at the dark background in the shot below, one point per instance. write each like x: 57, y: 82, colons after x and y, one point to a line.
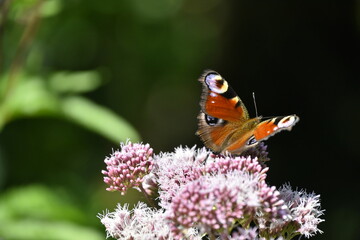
x: 298, y: 57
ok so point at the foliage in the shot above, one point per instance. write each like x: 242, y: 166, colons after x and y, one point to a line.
x: 30, y: 89
x: 26, y: 94
x: 36, y: 212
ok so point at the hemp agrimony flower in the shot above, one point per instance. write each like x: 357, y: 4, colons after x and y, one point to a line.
x: 213, y: 203
x: 201, y: 195
x: 174, y: 170
x: 127, y: 167
x: 304, y: 209
x: 141, y: 222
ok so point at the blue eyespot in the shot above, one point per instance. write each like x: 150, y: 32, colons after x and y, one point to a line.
x: 251, y: 141
x: 213, y: 121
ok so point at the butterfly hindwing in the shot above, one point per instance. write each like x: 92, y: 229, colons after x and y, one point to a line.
x: 267, y: 128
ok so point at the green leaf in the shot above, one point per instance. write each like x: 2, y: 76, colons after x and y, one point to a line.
x: 99, y: 119
x: 29, y: 98
x: 37, y: 202
x: 36, y: 212
x: 31, y: 229
x: 32, y: 98
x: 18, y: 8
x: 75, y: 82
x: 50, y: 8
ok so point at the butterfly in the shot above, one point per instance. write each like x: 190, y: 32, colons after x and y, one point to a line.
x: 224, y: 124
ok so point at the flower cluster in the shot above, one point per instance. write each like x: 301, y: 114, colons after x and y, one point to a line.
x: 141, y: 222
x: 213, y: 203
x: 224, y: 164
x: 249, y: 234
x: 174, y: 170
x: 202, y: 194
x: 126, y: 168
x: 305, y: 209
x: 304, y: 218
x: 259, y: 152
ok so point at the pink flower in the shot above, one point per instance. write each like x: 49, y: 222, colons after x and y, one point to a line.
x: 224, y: 164
x: 214, y: 203
x: 126, y: 168
x: 173, y: 170
x: 272, y: 205
x: 203, y: 194
x: 304, y: 215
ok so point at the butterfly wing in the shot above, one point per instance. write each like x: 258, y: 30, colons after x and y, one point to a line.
x: 224, y: 123
x: 219, y: 100
x: 260, y: 132
x: 222, y: 111
x: 268, y: 128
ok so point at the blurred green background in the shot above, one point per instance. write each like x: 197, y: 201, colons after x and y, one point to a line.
x: 79, y: 76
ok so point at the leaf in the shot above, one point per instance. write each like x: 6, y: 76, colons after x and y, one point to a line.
x: 37, y: 202
x: 20, y: 8
x: 32, y: 98
x: 31, y: 229
x: 50, y: 8
x: 75, y: 82
x: 36, y: 212
x: 29, y: 98
x: 99, y: 119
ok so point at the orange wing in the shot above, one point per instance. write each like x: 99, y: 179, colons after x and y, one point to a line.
x: 268, y: 128
x: 219, y: 100
x: 220, y: 105
x: 224, y: 123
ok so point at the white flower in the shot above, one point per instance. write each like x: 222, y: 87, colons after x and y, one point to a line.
x: 305, y: 209
x: 176, y: 169
x: 140, y: 223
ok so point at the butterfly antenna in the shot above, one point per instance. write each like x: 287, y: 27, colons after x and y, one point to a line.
x: 256, y: 112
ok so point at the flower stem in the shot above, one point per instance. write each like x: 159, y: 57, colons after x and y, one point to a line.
x: 212, y: 236
x: 148, y: 198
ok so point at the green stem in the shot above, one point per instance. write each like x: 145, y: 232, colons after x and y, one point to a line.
x: 212, y: 236
x: 25, y: 41
x: 4, y: 9
x: 148, y: 198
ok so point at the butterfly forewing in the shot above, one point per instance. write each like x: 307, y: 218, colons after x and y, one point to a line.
x: 220, y: 107
x: 220, y: 100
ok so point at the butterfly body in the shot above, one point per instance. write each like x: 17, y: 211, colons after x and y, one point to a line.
x: 224, y: 122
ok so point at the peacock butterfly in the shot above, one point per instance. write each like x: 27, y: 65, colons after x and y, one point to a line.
x: 224, y: 123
